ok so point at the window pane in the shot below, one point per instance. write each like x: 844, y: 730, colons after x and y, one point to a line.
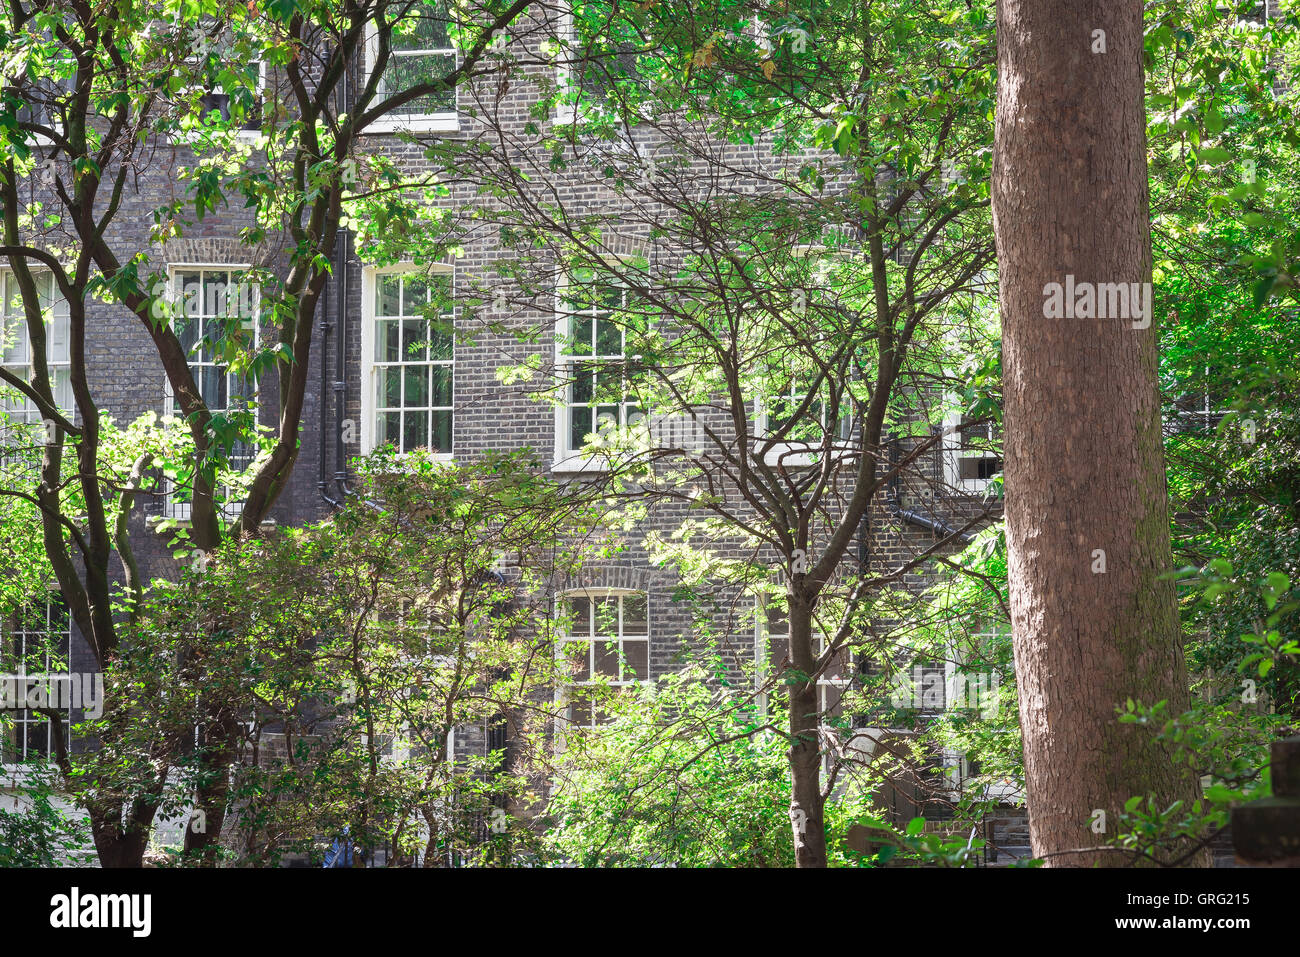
x: 406, y: 70
x: 637, y: 665
x: 583, y: 385
x: 441, y: 343
x: 417, y: 386
x: 391, y: 388
x: 607, y: 664
x: 214, y: 294
x: 16, y: 338
x: 442, y: 431
x: 580, y: 609
x: 424, y: 29
x: 609, y: 338
x: 388, y: 345
x: 388, y: 296
x: 57, y: 336
x: 390, y: 429
x: 579, y: 426
x: 63, y: 389
x: 212, y: 386
x: 415, y: 295
x: 442, y: 385
x: 190, y: 289
x: 580, y: 713
x: 609, y: 384
x: 415, y: 430
x: 604, y: 613
x: 44, y: 289
x: 606, y: 417
x: 413, y: 340
x: 580, y: 336
x: 578, y: 654
x: 832, y: 702
x: 635, y: 621
x: 205, y: 348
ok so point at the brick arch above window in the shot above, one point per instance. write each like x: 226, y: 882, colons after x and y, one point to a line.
x: 627, y: 247
x: 609, y: 579
x: 213, y: 249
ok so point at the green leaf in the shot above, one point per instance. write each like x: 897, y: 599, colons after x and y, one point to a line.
x: 1213, y: 156
x: 1261, y: 290
x: 1214, y: 119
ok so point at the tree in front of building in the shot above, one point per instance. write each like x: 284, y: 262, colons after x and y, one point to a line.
x: 259, y: 105
x: 793, y: 235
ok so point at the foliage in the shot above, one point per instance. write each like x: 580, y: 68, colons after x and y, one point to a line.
x: 341, y: 657
x: 37, y: 832
x: 684, y: 775
x: 93, y: 97
x: 1227, y: 748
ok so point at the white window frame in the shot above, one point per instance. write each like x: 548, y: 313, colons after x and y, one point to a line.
x: 370, y: 277
x: 562, y: 691
x: 799, y: 454
x: 851, y: 744
x: 565, y: 458
x: 397, y: 748
x: 1204, y: 419
x: 952, y: 456
x: 446, y: 122
x: 246, y: 136
x: 58, y: 342
x: 253, y: 135
x: 569, y: 113
x: 19, y: 721
x: 172, y: 509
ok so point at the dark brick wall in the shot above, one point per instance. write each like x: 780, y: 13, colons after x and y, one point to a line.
x: 128, y: 379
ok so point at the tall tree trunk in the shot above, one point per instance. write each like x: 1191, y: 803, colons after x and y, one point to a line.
x: 121, y: 838
x: 807, y: 812
x: 203, y: 830
x: 1087, y: 522
x: 117, y: 849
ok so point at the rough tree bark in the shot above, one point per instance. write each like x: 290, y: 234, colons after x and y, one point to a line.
x: 1087, y: 527
x: 807, y: 806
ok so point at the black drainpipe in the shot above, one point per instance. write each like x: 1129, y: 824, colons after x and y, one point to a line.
x: 322, y: 484
x: 340, y: 368
x: 340, y: 387
x: 915, y: 517
x: 341, y: 300
x: 341, y: 239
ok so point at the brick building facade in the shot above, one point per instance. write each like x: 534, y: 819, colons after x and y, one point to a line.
x: 462, y: 408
